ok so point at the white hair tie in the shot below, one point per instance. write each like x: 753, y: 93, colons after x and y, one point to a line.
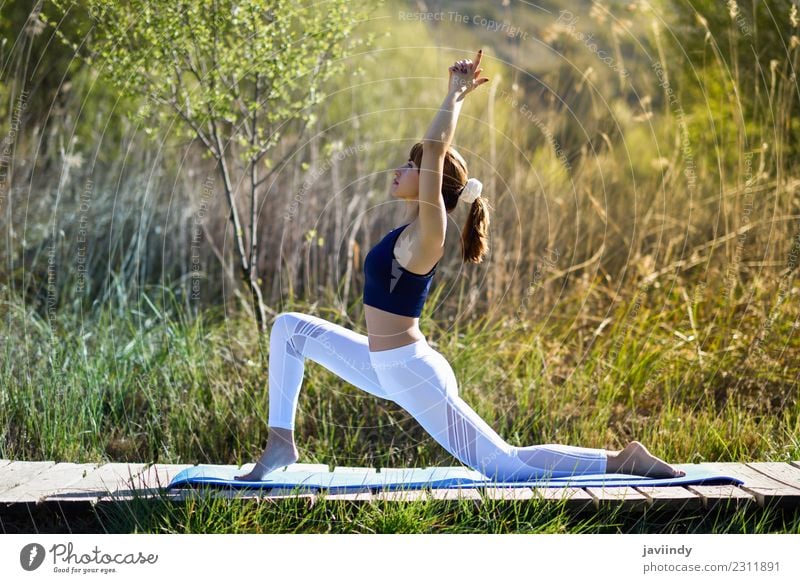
x: 471, y: 191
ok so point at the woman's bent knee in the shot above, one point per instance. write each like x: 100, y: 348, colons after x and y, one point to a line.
x: 287, y: 320
x: 287, y: 316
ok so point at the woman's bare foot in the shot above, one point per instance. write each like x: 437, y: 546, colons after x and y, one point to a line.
x: 280, y: 451
x: 635, y: 459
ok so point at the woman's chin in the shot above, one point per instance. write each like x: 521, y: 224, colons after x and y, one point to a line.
x: 395, y: 193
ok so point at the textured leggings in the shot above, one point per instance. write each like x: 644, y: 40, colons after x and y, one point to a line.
x: 421, y: 381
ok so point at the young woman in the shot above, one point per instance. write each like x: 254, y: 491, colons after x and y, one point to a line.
x: 394, y: 360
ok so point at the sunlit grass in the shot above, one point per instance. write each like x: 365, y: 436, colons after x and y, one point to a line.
x: 133, y: 386
x: 204, y: 513
x: 151, y: 384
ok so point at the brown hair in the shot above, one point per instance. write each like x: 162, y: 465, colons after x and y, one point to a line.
x: 475, y: 234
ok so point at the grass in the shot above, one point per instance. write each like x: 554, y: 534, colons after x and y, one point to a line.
x: 151, y: 383
x: 445, y: 517
x: 204, y: 514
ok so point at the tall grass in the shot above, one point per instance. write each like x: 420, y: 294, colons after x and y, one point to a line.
x: 201, y: 514
x: 151, y: 382
x: 204, y: 514
x: 654, y: 192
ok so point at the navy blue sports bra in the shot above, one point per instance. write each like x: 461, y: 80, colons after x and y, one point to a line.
x: 391, y: 287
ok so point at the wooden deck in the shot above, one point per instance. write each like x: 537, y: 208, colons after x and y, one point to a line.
x: 75, y: 487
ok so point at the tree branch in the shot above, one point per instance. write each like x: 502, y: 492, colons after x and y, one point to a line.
x: 176, y: 91
x: 242, y: 108
x: 238, y: 234
x: 253, y: 181
x: 283, y: 160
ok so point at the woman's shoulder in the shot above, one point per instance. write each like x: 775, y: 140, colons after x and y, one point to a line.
x: 411, y: 255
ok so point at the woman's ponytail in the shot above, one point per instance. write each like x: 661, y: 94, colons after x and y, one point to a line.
x: 475, y: 235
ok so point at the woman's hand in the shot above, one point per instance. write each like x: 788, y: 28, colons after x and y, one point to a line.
x: 464, y: 76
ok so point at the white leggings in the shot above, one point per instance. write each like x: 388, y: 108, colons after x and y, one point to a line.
x: 421, y: 381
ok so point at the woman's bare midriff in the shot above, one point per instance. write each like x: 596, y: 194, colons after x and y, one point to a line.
x: 387, y: 330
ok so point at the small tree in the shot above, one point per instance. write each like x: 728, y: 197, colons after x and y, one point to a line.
x: 236, y: 72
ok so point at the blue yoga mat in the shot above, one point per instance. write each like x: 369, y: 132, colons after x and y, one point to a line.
x: 417, y: 478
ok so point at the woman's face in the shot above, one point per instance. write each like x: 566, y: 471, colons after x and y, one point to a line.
x: 405, y: 181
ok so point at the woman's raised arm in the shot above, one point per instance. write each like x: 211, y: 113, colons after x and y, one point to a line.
x: 432, y: 214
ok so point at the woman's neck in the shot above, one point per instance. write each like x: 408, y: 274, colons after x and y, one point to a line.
x: 411, y: 211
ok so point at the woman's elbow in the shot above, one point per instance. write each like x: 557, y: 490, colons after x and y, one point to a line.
x: 433, y: 146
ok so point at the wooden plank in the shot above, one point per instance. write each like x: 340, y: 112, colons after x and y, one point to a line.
x: 613, y: 496
x: 728, y: 494
x: 360, y: 495
x: 401, y: 495
x: 298, y: 490
x: 208, y: 492
x: 53, y: 478
x: 149, y: 482
x: 212, y: 493
x: 102, y: 481
x: 20, y: 481
x: 571, y: 498
x: 17, y: 474
x: 503, y: 493
x: 751, y: 477
x: 766, y: 490
x: 278, y: 494
x: 779, y: 471
x: 674, y: 498
x: 357, y: 495
x: 455, y: 494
